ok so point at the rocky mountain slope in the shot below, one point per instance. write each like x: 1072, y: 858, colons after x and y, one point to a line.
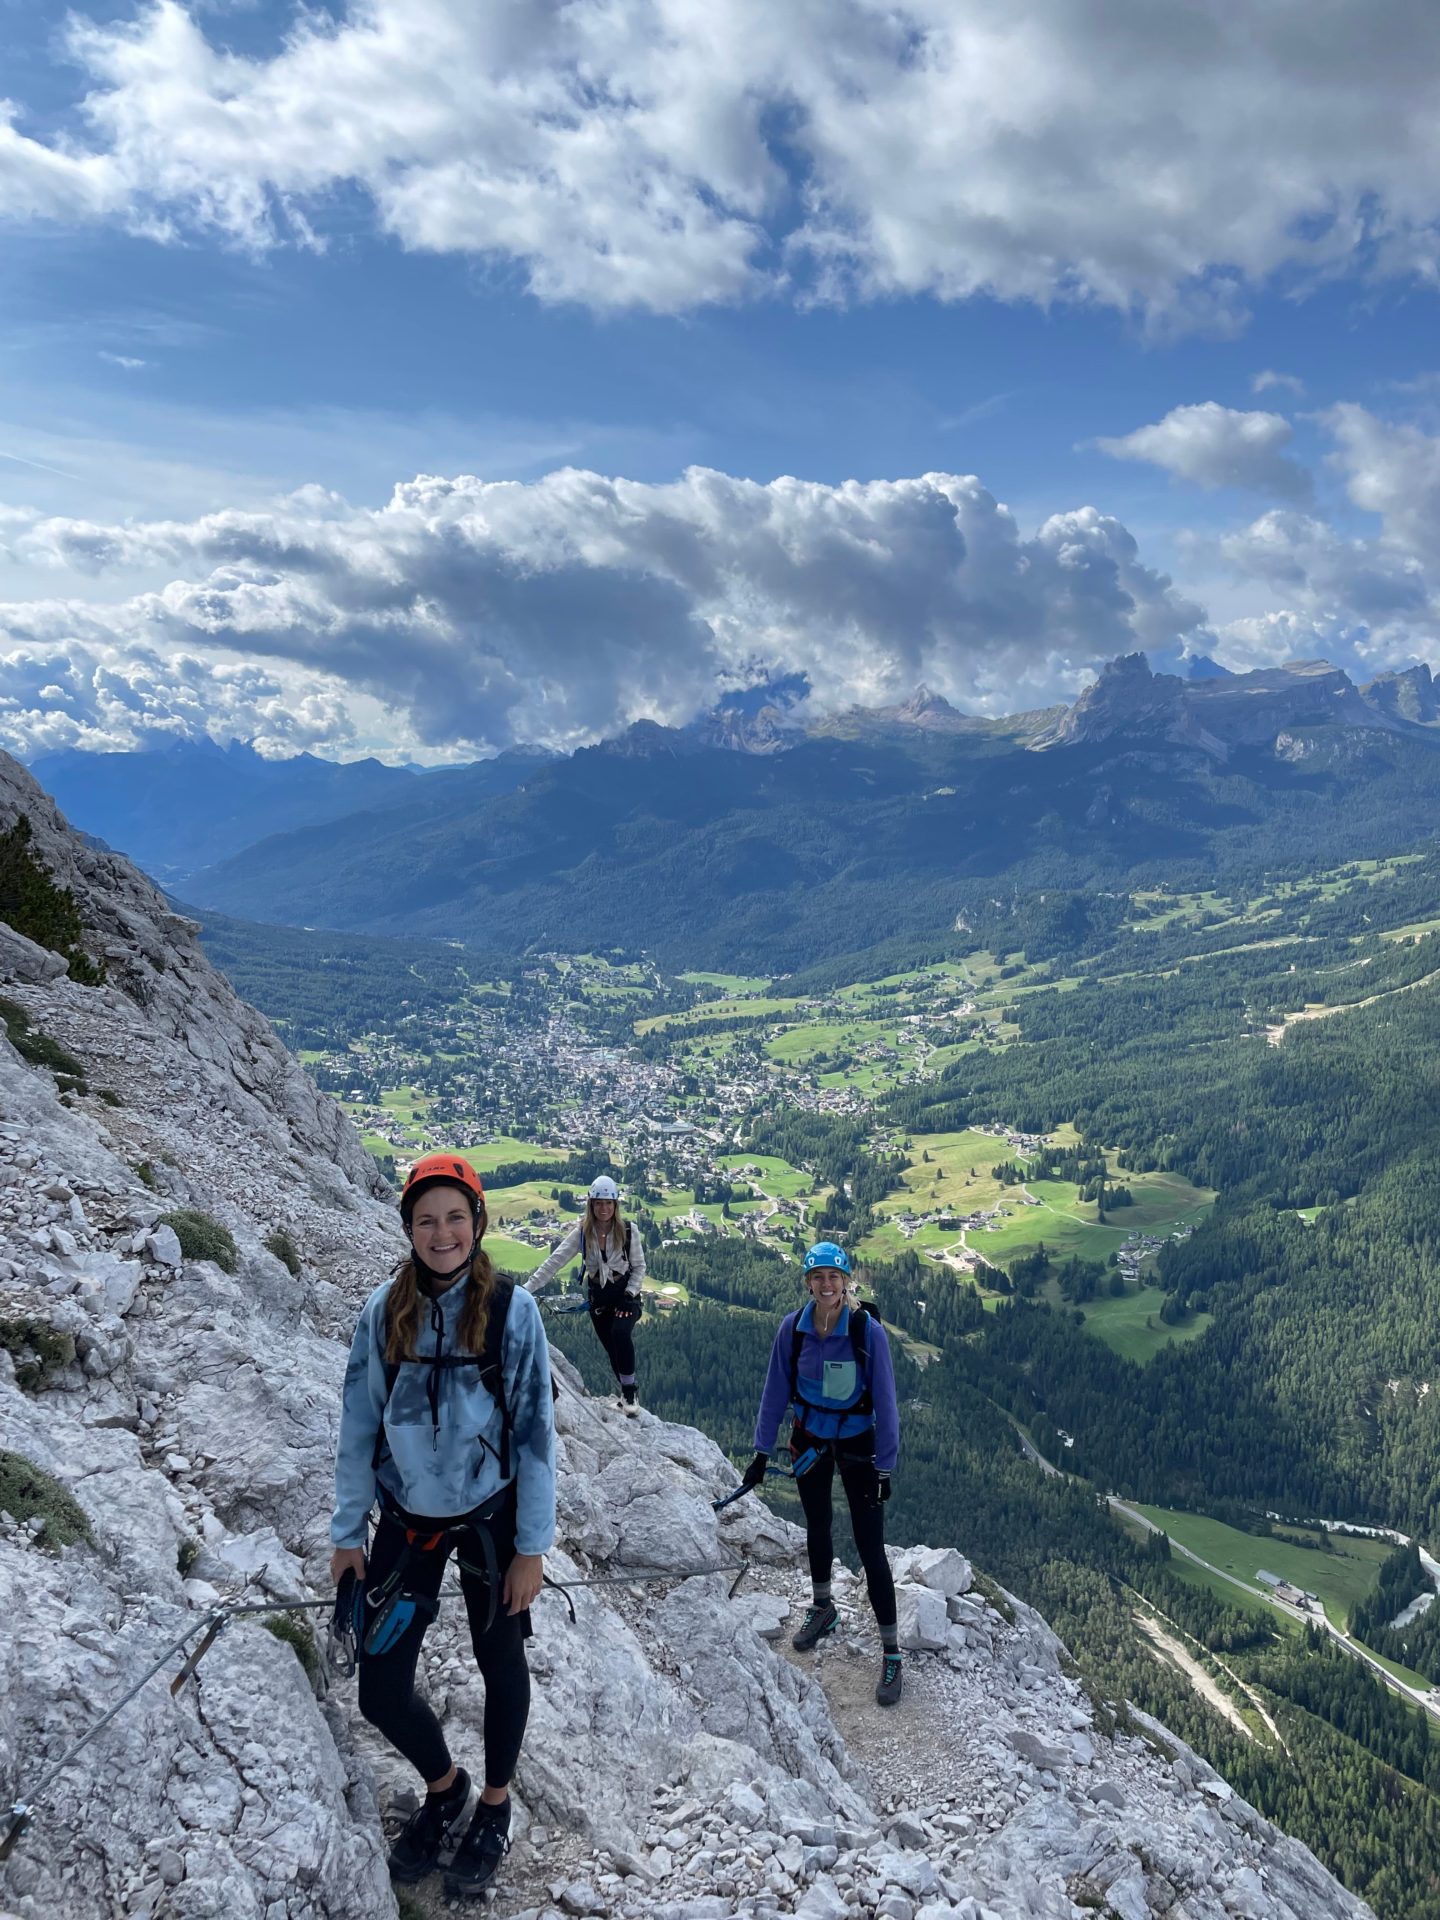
x: 1219, y: 714
x: 166, y: 1427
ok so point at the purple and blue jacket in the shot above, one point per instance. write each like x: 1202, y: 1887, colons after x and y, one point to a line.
x: 831, y: 1384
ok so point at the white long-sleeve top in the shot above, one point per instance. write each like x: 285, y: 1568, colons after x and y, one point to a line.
x: 605, y: 1266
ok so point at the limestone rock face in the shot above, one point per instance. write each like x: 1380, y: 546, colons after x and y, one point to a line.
x: 1217, y: 715
x: 679, y: 1765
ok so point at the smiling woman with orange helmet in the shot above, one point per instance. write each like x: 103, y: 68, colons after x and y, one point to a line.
x: 447, y: 1421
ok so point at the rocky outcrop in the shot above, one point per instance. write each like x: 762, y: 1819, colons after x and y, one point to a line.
x: 1217, y: 715
x: 175, y: 1422
x: 168, y: 1030
x: 1411, y: 695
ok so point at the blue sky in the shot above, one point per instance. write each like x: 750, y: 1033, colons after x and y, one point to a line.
x: 256, y: 274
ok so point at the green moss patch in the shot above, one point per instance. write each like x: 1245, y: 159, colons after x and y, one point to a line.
x: 202, y: 1238
x: 36, y: 1047
x: 37, y: 1348
x: 28, y: 1494
x: 285, y: 1250
x: 296, y: 1633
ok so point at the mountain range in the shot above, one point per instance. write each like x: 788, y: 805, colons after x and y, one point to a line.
x: 187, y: 1231
x: 765, y: 842
x: 183, y: 806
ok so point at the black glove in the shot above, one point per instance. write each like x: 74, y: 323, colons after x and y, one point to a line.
x: 882, y: 1488
x: 754, y: 1474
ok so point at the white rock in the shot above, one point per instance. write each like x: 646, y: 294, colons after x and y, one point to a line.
x: 921, y: 1616
x: 941, y: 1568
x: 767, y: 1613
x: 822, y: 1900
x: 163, y: 1246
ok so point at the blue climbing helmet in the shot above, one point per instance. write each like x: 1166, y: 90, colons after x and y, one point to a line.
x: 825, y: 1253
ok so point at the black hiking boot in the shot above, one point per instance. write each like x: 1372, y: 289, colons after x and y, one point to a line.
x: 478, y: 1856
x: 417, y: 1850
x: 818, y: 1621
x: 630, y: 1399
x: 887, y: 1687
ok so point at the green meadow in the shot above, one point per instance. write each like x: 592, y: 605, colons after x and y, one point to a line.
x: 1341, y: 1576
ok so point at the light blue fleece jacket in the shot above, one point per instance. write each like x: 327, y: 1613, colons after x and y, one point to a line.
x: 443, y: 1471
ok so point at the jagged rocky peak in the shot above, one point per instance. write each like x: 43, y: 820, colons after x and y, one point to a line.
x: 924, y: 708
x: 759, y: 719
x: 1216, y: 715
x: 1409, y: 695
x: 168, y: 1415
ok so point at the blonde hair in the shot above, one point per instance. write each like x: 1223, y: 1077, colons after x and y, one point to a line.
x: 402, y: 1309
x: 590, y: 1229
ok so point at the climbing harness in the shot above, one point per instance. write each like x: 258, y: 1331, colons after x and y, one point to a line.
x: 567, y: 1306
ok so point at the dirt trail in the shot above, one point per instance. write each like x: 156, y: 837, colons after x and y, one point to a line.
x: 1194, y: 1672
x: 1274, y: 1035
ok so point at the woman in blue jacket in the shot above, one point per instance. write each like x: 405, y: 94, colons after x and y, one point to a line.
x: 447, y: 1421
x: 830, y: 1365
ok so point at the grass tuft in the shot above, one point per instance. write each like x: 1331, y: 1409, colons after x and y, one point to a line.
x: 202, y: 1238
x: 27, y: 1493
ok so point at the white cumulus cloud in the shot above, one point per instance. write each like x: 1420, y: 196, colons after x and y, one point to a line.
x: 1216, y: 446
x: 484, y: 613
x: 1269, y: 378
x: 1393, y: 470
x: 663, y: 153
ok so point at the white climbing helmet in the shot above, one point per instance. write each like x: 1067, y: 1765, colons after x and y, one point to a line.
x: 604, y: 1188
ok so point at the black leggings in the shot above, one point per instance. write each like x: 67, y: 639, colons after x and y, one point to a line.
x: 856, y: 1461
x: 388, y: 1698
x: 613, y: 1313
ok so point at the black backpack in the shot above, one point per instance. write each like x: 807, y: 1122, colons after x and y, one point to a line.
x: 859, y: 1346
x: 492, y: 1376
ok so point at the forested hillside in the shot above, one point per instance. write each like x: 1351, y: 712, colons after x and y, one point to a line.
x: 831, y: 847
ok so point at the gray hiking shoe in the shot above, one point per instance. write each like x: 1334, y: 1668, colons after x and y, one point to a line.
x: 887, y: 1687
x: 817, y: 1623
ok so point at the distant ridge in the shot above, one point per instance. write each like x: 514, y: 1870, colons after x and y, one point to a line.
x: 1221, y: 712
x: 179, y: 807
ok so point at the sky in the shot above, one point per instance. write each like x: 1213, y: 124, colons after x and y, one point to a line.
x: 421, y: 377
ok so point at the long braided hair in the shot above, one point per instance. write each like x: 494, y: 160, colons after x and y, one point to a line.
x: 402, y: 1316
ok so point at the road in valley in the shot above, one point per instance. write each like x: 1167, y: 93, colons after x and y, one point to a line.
x: 1421, y: 1696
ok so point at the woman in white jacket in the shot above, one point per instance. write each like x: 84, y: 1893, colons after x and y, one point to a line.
x: 612, y: 1257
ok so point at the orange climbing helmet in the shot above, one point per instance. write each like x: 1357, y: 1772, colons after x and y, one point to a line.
x: 430, y: 1170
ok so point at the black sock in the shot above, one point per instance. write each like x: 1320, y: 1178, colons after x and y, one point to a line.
x: 458, y: 1788
x: 499, y: 1811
